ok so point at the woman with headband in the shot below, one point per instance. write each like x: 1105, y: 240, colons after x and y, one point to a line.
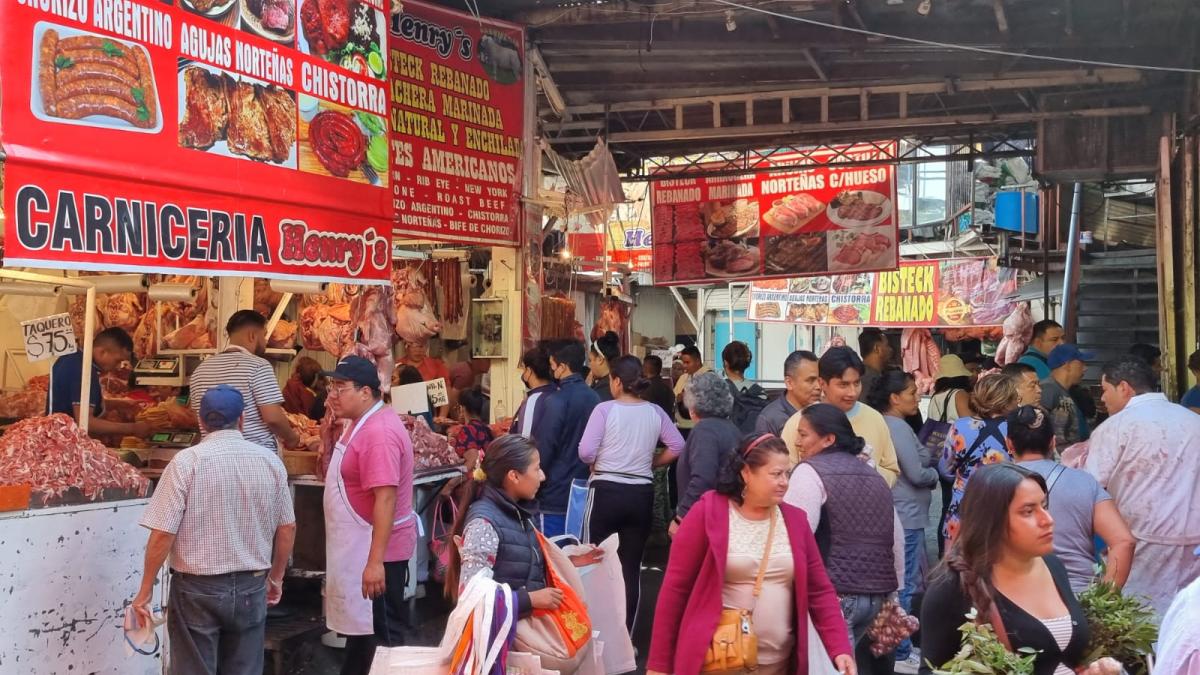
x: 733, y: 536
x: 605, y: 349
x: 849, y: 507
x: 1081, y: 508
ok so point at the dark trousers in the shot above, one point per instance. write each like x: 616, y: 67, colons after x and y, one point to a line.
x: 947, y: 495
x: 625, y: 510
x: 217, y: 624
x: 387, y: 615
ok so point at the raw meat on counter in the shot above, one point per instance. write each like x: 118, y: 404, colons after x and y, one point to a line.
x: 28, y: 402
x: 54, y: 455
x: 307, y: 428
x: 174, y: 415
x: 430, y: 450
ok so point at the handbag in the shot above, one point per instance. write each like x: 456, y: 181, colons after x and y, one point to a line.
x: 560, y: 636
x: 891, y: 626
x: 933, y: 433
x: 441, y: 536
x: 734, y: 645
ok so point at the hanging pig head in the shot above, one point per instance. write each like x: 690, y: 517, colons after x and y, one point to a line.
x: 415, y: 320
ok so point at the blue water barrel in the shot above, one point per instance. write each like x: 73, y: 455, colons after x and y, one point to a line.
x: 1008, y: 211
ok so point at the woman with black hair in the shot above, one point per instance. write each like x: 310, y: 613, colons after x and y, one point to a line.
x: 731, y: 536
x: 895, y: 395
x: 618, y: 444
x: 605, y: 349
x: 1081, y: 508
x: 495, y: 529
x: 1002, y: 566
x: 474, y: 435
x: 849, y: 507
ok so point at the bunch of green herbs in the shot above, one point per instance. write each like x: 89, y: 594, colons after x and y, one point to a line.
x: 1122, y: 626
x: 982, y: 652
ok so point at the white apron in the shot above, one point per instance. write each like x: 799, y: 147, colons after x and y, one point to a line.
x: 347, y: 546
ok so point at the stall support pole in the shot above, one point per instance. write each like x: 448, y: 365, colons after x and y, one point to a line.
x: 233, y: 294
x: 1069, y: 314
x: 85, y: 387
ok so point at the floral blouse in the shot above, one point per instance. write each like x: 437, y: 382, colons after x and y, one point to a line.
x: 971, y: 443
x: 474, y: 435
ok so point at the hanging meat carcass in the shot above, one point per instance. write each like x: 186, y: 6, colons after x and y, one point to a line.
x: 374, y: 314
x: 122, y: 310
x: 920, y: 357
x: 265, y: 299
x: 415, y: 320
x: 1018, y: 333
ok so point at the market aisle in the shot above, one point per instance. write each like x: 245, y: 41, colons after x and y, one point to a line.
x: 428, y: 620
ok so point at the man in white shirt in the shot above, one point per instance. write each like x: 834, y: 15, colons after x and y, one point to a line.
x: 242, y: 367
x: 224, y: 512
x: 1147, y: 455
x: 1178, y: 650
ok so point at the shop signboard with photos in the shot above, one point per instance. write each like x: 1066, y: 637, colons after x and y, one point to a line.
x: 952, y: 293
x: 216, y: 136
x: 816, y: 219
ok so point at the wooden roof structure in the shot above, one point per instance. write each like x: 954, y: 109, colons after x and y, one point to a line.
x: 676, y: 77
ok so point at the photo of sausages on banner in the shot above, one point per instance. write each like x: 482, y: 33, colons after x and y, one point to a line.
x: 778, y: 223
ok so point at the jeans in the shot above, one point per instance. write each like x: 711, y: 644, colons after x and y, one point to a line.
x: 217, y: 624
x: 859, y: 611
x: 388, y: 618
x: 553, y: 524
x: 914, y: 570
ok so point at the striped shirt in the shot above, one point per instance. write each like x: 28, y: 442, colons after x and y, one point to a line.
x: 223, y: 499
x: 249, y: 374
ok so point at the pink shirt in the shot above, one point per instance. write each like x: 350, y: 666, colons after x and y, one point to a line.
x: 380, y: 455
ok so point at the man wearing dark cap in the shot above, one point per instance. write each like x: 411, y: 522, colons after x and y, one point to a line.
x: 1067, y: 365
x: 223, y: 512
x: 370, y: 526
x: 242, y: 366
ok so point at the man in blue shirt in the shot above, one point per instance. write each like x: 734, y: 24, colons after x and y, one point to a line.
x: 1047, y: 335
x: 575, y: 401
x: 110, y: 348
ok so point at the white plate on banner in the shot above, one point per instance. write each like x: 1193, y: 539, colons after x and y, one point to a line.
x: 96, y: 121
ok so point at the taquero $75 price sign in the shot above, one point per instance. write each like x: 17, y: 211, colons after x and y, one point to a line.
x: 49, y: 337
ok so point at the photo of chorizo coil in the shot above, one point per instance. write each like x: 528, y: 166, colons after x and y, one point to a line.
x: 88, y: 75
x: 46, y: 83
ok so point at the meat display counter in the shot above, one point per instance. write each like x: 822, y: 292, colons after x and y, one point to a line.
x: 308, y: 557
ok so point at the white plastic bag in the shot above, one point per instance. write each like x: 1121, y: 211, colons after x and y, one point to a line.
x: 819, y: 661
x: 604, y: 593
x: 410, y: 661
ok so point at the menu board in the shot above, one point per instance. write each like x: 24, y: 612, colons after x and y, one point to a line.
x: 814, y: 220
x: 221, y: 136
x: 953, y: 293
x: 457, y: 109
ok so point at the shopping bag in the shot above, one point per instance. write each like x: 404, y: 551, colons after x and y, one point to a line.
x: 410, y: 661
x: 933, y: 436
x: 559, y: 637
x: 604, y: 593
x: 577, y: 507
x: 819, y: 661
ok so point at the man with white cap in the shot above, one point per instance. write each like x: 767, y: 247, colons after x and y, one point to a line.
x: 220, y: 508
x: 370, y: 526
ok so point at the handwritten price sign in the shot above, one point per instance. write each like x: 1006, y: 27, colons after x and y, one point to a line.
x: 436, y: 389
x: 49, y: 337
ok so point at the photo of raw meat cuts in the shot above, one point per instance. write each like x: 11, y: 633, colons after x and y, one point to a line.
x: 855, y: 250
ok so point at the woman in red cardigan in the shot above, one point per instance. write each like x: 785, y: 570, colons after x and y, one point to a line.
x: 715, y: 558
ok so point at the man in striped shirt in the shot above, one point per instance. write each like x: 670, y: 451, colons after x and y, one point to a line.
x: 242, y: 367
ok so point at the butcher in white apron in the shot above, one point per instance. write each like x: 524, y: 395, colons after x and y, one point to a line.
x: 370, y: 527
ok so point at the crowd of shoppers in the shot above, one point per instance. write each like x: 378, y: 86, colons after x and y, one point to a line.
x: 803, y: 516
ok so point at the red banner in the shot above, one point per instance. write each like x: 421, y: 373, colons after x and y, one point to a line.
x: 213, y: 136
x: 457, y: 108
x: 814, y: 220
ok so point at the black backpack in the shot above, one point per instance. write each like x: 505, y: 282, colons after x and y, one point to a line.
x: 747, y: 404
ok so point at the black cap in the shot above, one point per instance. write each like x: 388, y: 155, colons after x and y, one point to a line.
x: 355, y: 369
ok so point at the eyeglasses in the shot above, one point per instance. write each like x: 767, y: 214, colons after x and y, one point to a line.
x: 340, y: 388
